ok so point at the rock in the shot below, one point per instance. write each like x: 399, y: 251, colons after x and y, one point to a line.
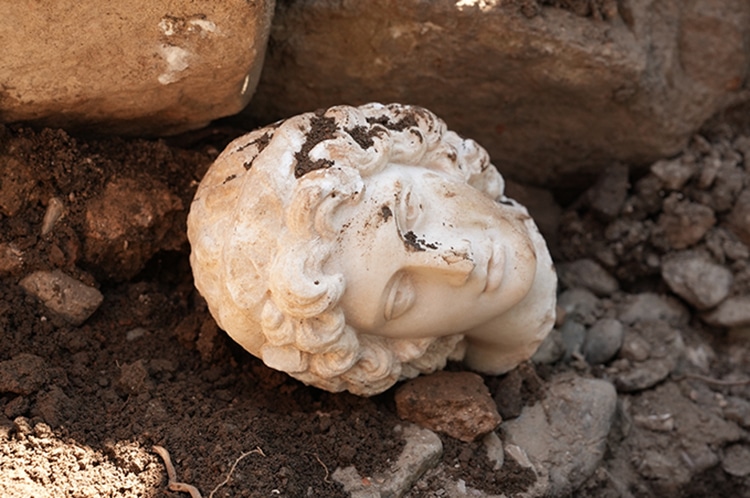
x: 23, y: 374
x: 671, y: 459
x: 127, y: 224
x: 454, y: 403
x: 141, y: 68
x: 734, y: 312
x: 727, y: 187
x: 738, y: 221
x: 684, y: 223
x: 519, y: 386
x: 494, y: 447
x: 674, y: 173
x: 550, y: 350
x: 507, y: 395
x: 738, y: 410
x: 664, y: 348
x: 696, y: 278
x: 652, y: 73
x: 11, y: 258
x: 648, y: 306
x: 565, y: 435
x: 573, y: 334
x: 603, y: 340
x: 422, y: 451
x: 723, y: 245
x: 587, y: 274
x: 581, y: 305
x: 607, y: 196
x: 736, y: 460
x: 74, y: 301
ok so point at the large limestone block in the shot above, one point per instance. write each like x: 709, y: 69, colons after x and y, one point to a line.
x: 549, y: 93
x: 139, y: 67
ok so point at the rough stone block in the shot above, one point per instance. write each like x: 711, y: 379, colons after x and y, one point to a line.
x: 137, y: 67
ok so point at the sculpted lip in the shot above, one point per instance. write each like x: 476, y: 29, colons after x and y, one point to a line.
x: 495, y: 268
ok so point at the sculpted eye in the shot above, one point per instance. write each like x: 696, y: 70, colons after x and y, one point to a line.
x: 410, y: 208
x: 400, y: 298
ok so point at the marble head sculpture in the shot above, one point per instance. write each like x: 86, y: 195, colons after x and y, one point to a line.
x: 357, y: 246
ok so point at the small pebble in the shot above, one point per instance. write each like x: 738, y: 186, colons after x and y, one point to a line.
x: 455, y: 403
x: 55, y: 210
x: 573, y: 334
x: 736, y: 460
x: 674, y: 173
x: 696, y: 278
x: 733, y: 312
x: 74, y: 301
x: 588, y: 274
x: 684, y: 223
x: 603, y: 341
x: 648, y: 307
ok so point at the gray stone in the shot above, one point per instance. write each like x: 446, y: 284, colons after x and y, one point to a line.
x: 738, y: 410
x: 494, y: 447
x: 580, y: 305
x: 422, y: 452
x: 648, y: 306
x: 23, y: 374
x: 693, y: 276
x: 734, y: 312
x: 145, y: 67
x: 665, y: 348
x: 454, y: 403
x: 573, y: 334
x: 565, y: 435
x: 684, y: 223
x: 603, y: 341
x: 607, y: 196
x: 674, y: 173
x: 670, y: 459
x: 633, y: 87
x: 551, y: 349
x: 587, y: 274
x: 736, y: 460
x: 74, y: 301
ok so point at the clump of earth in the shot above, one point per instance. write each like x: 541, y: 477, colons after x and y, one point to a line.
x: 654, y: 298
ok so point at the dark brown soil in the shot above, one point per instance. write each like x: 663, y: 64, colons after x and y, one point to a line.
x: 150, y: 367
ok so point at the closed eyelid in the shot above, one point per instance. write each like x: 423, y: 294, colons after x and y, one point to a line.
x: 400, y: 296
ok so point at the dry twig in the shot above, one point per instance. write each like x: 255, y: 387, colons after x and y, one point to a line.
x: 234, y: 465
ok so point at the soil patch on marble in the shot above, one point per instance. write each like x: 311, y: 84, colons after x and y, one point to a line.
x: 82, y: 405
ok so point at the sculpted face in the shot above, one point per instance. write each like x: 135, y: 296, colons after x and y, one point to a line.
x: 424, y: 254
